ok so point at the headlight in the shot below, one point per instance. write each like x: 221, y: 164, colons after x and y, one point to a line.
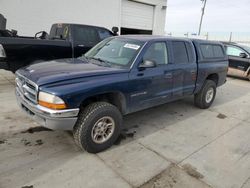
x: 50, y: 101
x: 2, y: 51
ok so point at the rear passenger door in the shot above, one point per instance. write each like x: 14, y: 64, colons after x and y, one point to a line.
x: 183, y: 68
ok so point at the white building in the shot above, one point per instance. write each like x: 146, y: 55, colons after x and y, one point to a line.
x: 131, y: 16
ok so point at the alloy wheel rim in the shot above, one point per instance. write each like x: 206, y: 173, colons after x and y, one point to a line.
x: 209, y: 95
x: 103, y: 130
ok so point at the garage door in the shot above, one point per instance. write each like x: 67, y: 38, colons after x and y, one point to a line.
x: 137, y: 15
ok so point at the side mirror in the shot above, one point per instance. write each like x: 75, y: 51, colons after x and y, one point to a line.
x: 43, y: 35
x: 147, y: 64
x: 243, y: 55
x: 14, y: 32
x: 115, y: 30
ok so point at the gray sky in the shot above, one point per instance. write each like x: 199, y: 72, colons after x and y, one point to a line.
x: 220, y: 16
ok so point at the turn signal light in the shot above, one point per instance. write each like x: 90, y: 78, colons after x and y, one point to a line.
x: 52, y: 106
x: 51, y: 101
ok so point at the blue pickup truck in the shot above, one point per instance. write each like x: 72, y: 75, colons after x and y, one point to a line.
x: 120, y: 75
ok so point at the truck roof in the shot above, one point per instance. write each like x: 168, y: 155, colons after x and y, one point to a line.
x: 74, y: 24
x: 146, y: 38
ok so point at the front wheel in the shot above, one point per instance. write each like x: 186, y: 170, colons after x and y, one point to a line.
x: 98, y: 126
x: 206, y: 95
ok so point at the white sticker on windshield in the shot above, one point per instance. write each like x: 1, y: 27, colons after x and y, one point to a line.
x: 132, y: 46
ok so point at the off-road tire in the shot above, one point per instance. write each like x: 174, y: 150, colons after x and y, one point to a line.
x: 200, y: 98
x: 86, y: 120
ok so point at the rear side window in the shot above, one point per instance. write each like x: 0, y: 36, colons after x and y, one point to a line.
x: 180, y: 52
x: 211, y: 51
x: 59, y: 31
x: 218, y: 52
x: 103, y: 33
x: 86, y: 35
x: 190, y: 50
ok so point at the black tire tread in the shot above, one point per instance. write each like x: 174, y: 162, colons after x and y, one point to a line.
x: 80, y: 130
x: 199, y: 97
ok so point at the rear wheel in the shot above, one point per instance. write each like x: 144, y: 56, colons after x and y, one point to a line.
x: 98, y: 126
x: 205, y: 97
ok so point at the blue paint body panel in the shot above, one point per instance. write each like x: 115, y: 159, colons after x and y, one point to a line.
x: 75, y: 80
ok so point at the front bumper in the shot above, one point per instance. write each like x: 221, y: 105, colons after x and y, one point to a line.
x: 52, y: 119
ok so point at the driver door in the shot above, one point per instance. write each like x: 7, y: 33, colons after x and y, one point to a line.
x: 151, y: 86
x: 238, y: 65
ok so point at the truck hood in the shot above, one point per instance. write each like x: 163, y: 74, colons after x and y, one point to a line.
x: 65, y: 69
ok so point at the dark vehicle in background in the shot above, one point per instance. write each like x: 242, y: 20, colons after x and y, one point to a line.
x: 121, y: 75
x: 63, y: 41
x: 239, y: 59
x: 8, y: 33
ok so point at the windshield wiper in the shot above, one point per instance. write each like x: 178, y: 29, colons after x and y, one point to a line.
x: 83, y: 57
x: 101, y: 60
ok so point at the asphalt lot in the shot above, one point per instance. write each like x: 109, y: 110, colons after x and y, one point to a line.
x: 173, y: 145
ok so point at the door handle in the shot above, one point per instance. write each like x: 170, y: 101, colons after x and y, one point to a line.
x: 193, y: 75
x: 80, y: 45
x: 193, y: 72
x: 168, y: 75
x: 140, y: 74
x: 241, y: 67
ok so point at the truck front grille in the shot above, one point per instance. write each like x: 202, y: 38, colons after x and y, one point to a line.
x: 27, y: 88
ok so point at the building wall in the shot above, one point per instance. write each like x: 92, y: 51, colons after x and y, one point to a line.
x: 159, y: 15
x: 31, y: 16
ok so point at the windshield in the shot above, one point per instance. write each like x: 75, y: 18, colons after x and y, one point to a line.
x: 115, y: 51
x: 247, y: 48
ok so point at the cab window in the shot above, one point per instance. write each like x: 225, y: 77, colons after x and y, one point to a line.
x: 157, y: 52
x: 233, y: 51
x: 86, y: 35
x: 59, y: 31
x: 180, y: 52
x: 103, y: 33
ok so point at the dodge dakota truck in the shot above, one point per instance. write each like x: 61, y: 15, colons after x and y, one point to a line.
x: 64, y: 41
x: 120, y: 75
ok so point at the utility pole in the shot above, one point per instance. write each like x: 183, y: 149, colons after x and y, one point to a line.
x: 186, y: 34
x: 202, y: 14
x: 206, y: 36
x: 230, y: 38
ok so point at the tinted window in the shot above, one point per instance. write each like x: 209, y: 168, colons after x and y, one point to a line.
x: 190, y: 50
x: 234, y: 51
x: 218, y: 52
x: 180, y: 52
x: 211, y: 51
x: 86, y: 35
x: 207, y: 51
x: 103, y: 33
x: 157, y: 52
